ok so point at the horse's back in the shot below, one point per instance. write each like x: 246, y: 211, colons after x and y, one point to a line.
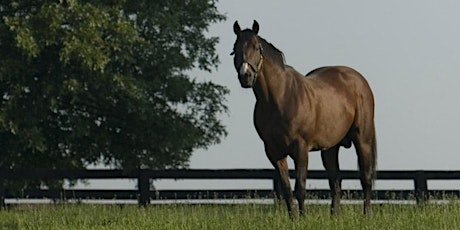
x: 334, y: 71
x: 341, y: 77
x: 316, y: 70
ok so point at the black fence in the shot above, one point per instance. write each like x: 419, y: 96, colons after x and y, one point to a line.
x: 143, y: 194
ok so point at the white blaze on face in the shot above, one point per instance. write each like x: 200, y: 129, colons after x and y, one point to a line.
x: 244, y: 68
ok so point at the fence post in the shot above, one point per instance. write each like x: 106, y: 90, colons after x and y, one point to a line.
x: 3, y: 178
x: 2, y: 193
x: 421, y: 187
x: 144, y: 188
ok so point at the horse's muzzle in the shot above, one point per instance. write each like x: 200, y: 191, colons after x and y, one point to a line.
x: 247, y: 80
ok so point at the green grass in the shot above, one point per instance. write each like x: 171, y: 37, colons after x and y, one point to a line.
x: 251, y: 216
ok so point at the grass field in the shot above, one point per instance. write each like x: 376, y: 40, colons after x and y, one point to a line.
x: 240, y: 216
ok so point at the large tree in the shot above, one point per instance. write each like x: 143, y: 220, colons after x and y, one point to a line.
x: 83, y: 82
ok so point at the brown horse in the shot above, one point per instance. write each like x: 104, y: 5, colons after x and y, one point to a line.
x: 295, y: 114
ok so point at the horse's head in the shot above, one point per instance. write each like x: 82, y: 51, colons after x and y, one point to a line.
x: 247, y: 52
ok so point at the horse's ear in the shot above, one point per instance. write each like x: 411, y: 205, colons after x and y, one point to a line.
x: 236, y: 28
x: 255, y: 27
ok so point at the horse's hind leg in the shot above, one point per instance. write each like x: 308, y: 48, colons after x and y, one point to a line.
x: 330, y: 159
x: 365, y: 146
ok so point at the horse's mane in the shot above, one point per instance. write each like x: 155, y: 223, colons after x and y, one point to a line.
x: 270, y: 51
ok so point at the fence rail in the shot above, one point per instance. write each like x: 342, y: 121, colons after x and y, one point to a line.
x: 144, y: 194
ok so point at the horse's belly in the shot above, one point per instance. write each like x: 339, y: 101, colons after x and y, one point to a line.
x: 330, y: 131
x: 280, y: 135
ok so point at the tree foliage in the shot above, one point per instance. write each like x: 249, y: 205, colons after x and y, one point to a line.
x: 88, y: 81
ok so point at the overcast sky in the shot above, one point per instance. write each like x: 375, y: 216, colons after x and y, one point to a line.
x: 409, y: 51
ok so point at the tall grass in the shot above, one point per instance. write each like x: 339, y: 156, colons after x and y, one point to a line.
x: 250, y: 216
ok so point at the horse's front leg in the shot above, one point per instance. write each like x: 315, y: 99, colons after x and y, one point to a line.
x: 282, y: 168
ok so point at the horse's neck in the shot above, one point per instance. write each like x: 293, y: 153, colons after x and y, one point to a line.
x: 272, y: 84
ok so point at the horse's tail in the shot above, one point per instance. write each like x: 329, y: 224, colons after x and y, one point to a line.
x: 374, y: 155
